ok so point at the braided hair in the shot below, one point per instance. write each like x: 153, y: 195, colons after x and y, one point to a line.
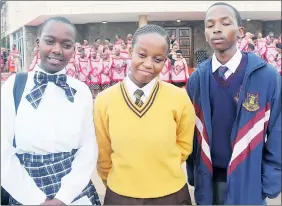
x: 150, y: 29
x: 56, y: 19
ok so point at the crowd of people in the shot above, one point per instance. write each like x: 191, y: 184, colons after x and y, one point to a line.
x: 10, y: 60
x: 268, y: 48
x: 226, y: 123
x: 104, y: 64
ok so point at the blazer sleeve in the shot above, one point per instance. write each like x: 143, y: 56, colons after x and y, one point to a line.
x: 271, y: 162
x: 190, y: 88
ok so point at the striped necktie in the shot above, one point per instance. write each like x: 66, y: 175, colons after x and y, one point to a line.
x: 138, y: 94
x: 221, y: 72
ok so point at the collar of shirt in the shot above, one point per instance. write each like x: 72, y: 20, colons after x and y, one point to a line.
x: 132, y: 87
x: 37, y: 68
x: 232, y: 64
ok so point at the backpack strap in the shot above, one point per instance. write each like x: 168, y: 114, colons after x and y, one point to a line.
x: 19, y: 86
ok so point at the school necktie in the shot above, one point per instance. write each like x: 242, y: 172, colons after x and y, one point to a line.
x: 41, y: 81
x: 138, y: 94
x: 221, y: 71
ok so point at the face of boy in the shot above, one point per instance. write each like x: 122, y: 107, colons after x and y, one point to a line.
x: 221, y: 28
x: 56, y: 46
x: 148, y: 58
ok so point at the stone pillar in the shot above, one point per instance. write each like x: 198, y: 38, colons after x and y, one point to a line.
x: 142, y: 20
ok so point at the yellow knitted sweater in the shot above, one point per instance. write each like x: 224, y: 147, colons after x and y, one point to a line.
x: 141, y: 149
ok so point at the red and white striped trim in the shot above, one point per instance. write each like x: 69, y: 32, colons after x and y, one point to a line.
x: 204, y: 143
x: 248, y: 138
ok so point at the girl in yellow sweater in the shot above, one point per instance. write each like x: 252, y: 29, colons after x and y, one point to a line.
x: 144, y: 129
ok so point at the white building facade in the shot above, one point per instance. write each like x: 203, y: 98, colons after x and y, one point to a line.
x: 23, y: 18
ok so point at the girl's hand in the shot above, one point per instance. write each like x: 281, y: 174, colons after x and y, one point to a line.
x: 53, y: 202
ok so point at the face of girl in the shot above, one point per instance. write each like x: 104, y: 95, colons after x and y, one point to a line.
x: 56, y: 46
x: 148, y: 57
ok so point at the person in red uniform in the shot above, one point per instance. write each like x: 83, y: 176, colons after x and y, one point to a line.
x: 70, y: 67
x: 118, y: 68
x: 36, y: 58
x: 106, y: 69
x: 128, y: 61
x: 124, y: 50
x: 243, y: 46
x: 173, y: 41
x: 270, y: 39
x: 82, y: 67
x: 129, y: 41
x: 179, y: 70
x: 118, y: 41
x: 254, y: 48
x: 269, y: 51
x: 99, y: 45
x: 111, y: 49
x: 165, y: 74
x: 11, y: 59
x: 2, y: 62
x: 95, y: 74
x: 86, y: 48
x: 78, y: 49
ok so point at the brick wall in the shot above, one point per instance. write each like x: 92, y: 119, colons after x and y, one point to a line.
x: 80, y: 36
x: 253, y: 26
x: 109, y: 30
x: 274, y: 26
x: 30, y: 38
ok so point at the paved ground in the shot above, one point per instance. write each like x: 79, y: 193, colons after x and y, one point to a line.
x: 101, y: 191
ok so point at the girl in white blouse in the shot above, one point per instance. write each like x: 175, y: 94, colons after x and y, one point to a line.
x: 48, y: 146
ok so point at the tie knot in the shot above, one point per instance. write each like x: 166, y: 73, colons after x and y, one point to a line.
x: 42, y: 78
x: 223, y: 69
x: 138, y: 93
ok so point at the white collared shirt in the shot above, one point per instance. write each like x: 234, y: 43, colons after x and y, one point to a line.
x: 232, y: 64
x: 132, y: 87
x: 57, y: 125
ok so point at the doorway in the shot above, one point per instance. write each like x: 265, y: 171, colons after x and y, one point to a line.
x: 183, y: 36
